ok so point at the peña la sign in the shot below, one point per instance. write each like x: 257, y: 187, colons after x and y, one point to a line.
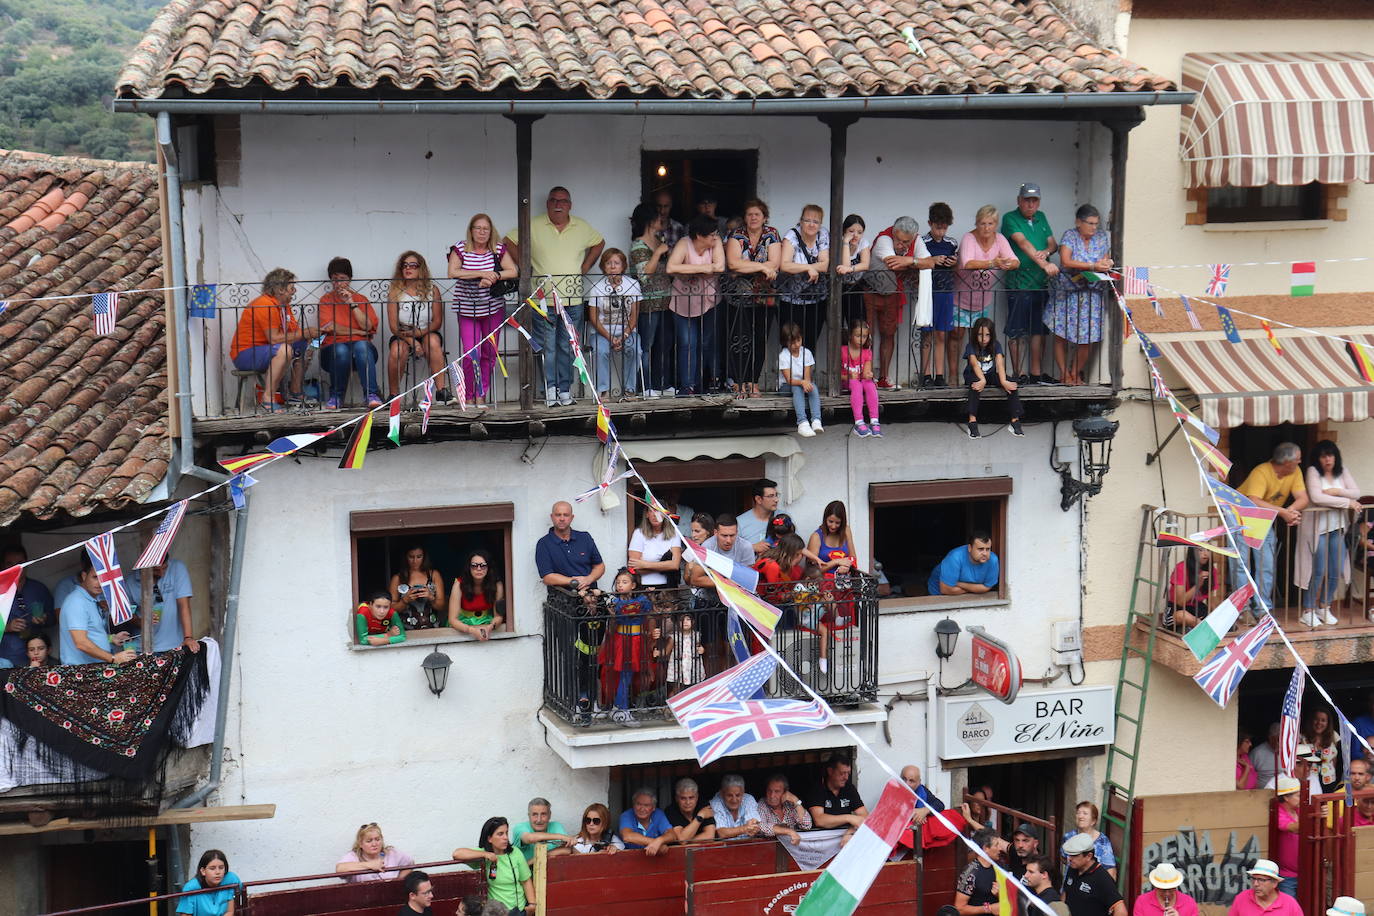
x: 1045, y: 720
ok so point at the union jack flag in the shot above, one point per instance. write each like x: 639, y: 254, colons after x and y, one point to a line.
x: 716, y: 730
x: 105, y: 312
x: 156, y: 551
x: 1154, y: 301
x: 1221, y: 275
x: 111, y: 577
x: 1290, y: 728
x: 1137, y: 280
x: 426, y: 404
x: 1220, y: 677
x: 1157, y: 382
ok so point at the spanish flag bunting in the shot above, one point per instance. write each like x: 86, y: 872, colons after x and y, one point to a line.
x: 1269, y: 333
x: 534, y: 303
x: 244, y: 462
x: 1008, y: 893
x: 1212, y: 455
x: 393, y: 422
x: 1169, y: 539
x: 356, y: 450
x: 1364, y: 361
x: 603, y: 423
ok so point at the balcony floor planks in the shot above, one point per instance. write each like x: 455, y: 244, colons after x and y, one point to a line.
x: 447, y: 421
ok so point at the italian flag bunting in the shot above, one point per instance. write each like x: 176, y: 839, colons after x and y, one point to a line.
x: 1304, y: 278
x: 1207, y: 635
x: 393, y: 431
x: 841, y: 887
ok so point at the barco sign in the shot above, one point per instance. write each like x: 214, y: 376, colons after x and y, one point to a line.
x: 1044, y: 721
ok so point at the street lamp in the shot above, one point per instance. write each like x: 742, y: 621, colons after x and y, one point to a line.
x: 1095, y: 433
x: 435, y: 666
x: 946, y: 635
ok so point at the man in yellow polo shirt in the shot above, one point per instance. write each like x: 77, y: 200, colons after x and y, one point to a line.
x: 564, y: 248
x: 1272, y: 484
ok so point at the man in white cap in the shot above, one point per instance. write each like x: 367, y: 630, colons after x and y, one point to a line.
x: 1262, y: 898
x: 1346, y: 906
x: 1165, y: 899
x: 1088, y: 889
x: 1303, y: 770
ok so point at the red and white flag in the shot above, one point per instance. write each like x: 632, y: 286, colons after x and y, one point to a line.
x: 1290, y: 724
x: 9, y: 587
x: 156, y: 551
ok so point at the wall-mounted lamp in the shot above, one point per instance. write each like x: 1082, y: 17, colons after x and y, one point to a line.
x: 662, y: 170
x: 1095, y: 433
x: 435, y: 666
x: 946, y: 637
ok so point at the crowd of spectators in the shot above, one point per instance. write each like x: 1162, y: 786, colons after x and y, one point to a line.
x: 685, y: 308
x: 70, y: 623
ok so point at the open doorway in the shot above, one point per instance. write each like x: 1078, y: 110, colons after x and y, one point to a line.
x: 728, y: 175
x: 712, y: 486
x: 1033, y: 786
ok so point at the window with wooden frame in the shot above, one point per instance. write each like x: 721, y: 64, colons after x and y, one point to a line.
x: 449, y: 535
x: 1267, y: 203
x: 711, y: 485
x: 914, y: 525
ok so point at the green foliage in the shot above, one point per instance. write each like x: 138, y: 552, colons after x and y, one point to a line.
x: 58, y: 62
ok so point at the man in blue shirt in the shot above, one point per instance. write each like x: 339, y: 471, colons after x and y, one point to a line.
x: 85, y: 636
x: 644, y: 826
x: 969, y: 570
x: 30, y: 611
x: 171, y: 605
x: 565, y: 557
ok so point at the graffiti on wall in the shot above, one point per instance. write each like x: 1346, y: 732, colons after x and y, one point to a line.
x: 1210, y: 874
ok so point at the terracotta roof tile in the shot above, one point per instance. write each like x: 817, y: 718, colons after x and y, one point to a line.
x: 83, y: 419
x: 608, y: 48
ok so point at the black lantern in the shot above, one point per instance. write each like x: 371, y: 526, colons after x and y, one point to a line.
x: 946, y: 635
x: 1095, y: 433
x: 435, y: 666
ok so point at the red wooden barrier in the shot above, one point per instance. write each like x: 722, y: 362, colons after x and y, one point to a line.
x: 366, y: 898
x: 893, y: 893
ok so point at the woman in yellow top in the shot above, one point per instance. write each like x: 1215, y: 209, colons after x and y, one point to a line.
x: 268, y: 336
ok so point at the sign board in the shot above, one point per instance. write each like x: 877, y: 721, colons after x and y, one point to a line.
x: 1047, y: 720
x: 995, y: 667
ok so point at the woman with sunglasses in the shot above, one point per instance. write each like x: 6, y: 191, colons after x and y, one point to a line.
x: 415, y: 314
x: 371, y: 859
x: 509, y: 880
x: 596, y: 835
x: 481, y: 598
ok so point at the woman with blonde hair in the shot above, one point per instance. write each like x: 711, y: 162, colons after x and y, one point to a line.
x: 415, y: 314
x: 371, y: 859
x: 596, y: 834
x: 983, y: 254
x: 268, y: 337
x: 804, y: 287
x: 480, y: 264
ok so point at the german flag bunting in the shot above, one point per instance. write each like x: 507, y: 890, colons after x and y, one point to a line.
x: 1364, y: 361
x: 356, y: 450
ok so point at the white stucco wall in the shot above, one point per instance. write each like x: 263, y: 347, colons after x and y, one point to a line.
x: 336, y: 737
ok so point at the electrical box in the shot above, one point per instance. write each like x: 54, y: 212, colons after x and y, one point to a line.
x: 1067, y: 642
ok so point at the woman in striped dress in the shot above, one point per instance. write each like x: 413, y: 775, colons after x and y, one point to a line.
x: 478, y: 266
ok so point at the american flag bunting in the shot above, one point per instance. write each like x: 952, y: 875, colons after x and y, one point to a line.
x: 1192, y: 316
x: 1290, y: 725
x: 111, y: 577
x: 105, y: 312
x: 166, y: 532
x: 460, y: 385
x: 1137, y: 281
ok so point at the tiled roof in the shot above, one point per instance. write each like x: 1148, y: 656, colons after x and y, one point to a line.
x: 83, y: 419
x: 615, y: 48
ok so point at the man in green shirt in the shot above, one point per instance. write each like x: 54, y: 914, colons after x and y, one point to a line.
x: 540, y: 828
x: 1031, y: 238
x: 563, y: 248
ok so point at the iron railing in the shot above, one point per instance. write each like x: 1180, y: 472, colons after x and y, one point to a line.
x: 607, y: 655
x: 1179, y: 593
x: 728, y: 350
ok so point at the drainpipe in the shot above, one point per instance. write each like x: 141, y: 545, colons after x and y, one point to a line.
x: 174, y: 254
x: 227, y: 640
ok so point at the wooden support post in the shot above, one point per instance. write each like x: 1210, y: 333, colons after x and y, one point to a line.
x: 524, y: 152
x: 839, y: 145
x: 145, y: 600
x: 1117, y: 222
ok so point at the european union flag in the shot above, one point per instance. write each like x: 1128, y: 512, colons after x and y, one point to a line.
x: 1228, y: 324
x: 1151, y: 350
x: 202, y: 301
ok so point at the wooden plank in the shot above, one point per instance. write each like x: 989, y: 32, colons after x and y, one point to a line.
x: 1210, y: 810
x: 365, y: 896
x: 166, y: 818
x: 892, y: 892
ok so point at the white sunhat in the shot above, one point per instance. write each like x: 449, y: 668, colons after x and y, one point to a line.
x: 1346, y: 906
x: 1165, y: 876
x: 1264, y: 868
x: 1287, y: 784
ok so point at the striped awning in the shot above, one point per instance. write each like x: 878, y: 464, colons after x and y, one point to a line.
x: 1251, y: 384
x: 1278, y: 118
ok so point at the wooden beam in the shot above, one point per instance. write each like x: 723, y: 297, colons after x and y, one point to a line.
x: 524, y: 152
x: 168, y: 818
x: 839, y: 147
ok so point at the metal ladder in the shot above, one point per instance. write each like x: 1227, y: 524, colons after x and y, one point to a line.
x: 1133, y: 685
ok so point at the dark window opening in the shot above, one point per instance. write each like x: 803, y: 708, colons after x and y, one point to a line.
x: 1270, y: 202
x: 449, y: 535
x: 713, y: 486
x: 728, y: 175
x: 914, y: 525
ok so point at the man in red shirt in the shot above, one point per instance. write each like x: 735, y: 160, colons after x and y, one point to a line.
x: 1263, y: 897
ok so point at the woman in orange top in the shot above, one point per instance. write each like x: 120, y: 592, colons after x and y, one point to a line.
x: 415, y: 314
x: 268, y: 336
x: 348, y: 321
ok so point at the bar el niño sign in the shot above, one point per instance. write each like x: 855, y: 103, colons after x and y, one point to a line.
x: 976, y: 726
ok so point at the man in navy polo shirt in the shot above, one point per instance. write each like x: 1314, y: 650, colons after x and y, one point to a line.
x: 565, y: 557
